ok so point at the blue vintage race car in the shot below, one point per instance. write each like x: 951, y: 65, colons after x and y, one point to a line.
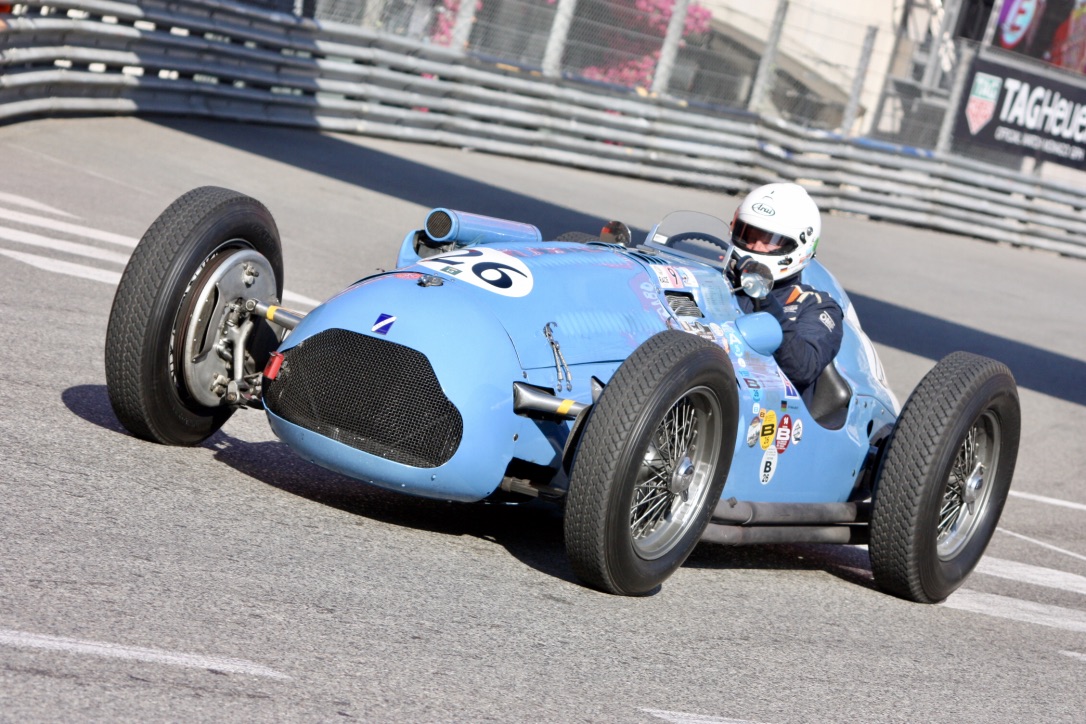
x: 621, y: 380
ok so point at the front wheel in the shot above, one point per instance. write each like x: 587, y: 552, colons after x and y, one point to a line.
x: 651, y: 464
x: 179, y: 342
x: 945, y: 477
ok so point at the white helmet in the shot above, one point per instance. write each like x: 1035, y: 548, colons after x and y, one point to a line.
x: 778, y: 225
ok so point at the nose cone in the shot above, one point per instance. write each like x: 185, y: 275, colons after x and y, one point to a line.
x: 401, y: 384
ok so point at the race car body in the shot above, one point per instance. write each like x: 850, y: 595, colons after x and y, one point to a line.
x: 625, y: 382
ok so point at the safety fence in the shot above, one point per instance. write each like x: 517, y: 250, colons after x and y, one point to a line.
x: 813, y: 67
x: 224, y: 60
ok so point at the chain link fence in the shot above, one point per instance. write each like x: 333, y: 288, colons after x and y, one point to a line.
x: 899, y: 71
x: 814, y: 68
x: 221, y: 59
x: 828, y: 68
x: 512, y: 31
x: 917, y: 80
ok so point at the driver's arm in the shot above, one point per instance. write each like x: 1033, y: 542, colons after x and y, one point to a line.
x: 812, y: 329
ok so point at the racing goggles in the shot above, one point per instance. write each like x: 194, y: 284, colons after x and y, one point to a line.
x: 759, y: 241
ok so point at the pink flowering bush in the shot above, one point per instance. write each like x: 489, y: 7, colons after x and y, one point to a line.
x: 629, y: 34
x: 657, y: 15
x: 634, y: 73
x: 635, y: 52
x: 444, y: 20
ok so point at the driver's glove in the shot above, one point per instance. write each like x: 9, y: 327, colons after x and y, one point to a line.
x: 742, y: 264
x: 772, y: 305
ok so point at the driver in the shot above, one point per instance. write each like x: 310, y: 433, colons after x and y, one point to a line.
x: 778, y: 226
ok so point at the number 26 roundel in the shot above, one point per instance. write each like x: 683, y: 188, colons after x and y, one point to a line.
x: 485, y: 268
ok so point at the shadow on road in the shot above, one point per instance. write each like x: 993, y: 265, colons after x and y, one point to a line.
x: 1034, y: 368
x: 91, y: 403
x: 390, y: 175
x: 849, y: 563
x: 530, y: 531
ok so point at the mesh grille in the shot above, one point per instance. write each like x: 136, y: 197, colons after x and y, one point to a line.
x: 438, y: 224
x: 374, y: 395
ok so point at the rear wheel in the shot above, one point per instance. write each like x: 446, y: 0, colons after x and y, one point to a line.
x: 945, y: 477
x: 652, y: 464
x: 177, y: 320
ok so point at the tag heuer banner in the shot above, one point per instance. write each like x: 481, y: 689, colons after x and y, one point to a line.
x: 1022, y: 113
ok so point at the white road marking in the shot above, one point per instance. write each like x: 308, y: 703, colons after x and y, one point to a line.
x: 678, y: 717
x: 1074, y: 655
x: 1014, y: 609
x: 1049, y: 501
x: 290, y: 297
x: 84, y: 231
x: 65, y: 267
x: 110, y: 277
x: 32, y: 204
x: 20, y: 639
x: 1043, y: 544
x: 68, y: 247
x: 1035, y: 575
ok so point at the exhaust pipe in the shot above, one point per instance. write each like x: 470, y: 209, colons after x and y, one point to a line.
x: 531, y: 401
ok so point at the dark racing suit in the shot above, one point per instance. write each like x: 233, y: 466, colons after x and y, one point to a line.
x: 812, y: 325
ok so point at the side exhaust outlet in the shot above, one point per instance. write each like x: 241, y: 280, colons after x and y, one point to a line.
x: 531, y: 401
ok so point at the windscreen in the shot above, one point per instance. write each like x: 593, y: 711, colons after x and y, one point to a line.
x: 693, y: 233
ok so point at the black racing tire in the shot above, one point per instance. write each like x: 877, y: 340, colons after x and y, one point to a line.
x: 641, y: 492
x: 192, y: 238
x: 944, y: 478
x: 580, y: 237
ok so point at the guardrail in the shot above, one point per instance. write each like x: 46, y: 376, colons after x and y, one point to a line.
x: 224, y: 60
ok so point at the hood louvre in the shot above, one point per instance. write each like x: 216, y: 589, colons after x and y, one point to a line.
x: 683, y: 304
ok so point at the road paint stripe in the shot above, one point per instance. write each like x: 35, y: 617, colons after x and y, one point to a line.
x: 20, y: 639
x: 1049, y: 501
x: 67, y: 247
x: 1041, y: 543
x: 678, y: 717
x: 65, y: 267
x: 54, y: 225
x: 32, y: 204
x: 1035, y: 575
x: 1015, y: 609
x: 1074, y: 655
x: 110, y: 277
x: 290, y: 297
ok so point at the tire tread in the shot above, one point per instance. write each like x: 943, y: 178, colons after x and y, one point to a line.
x: 145, y: 278
x: 921, y: 431
x: 610, y: 427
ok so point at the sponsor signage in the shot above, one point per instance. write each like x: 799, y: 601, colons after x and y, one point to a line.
x: 1020, y: 112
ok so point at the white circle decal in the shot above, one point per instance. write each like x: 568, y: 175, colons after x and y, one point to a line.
x: 485, y: 268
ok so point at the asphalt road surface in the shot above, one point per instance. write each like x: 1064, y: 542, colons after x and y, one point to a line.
x: 233, y: 581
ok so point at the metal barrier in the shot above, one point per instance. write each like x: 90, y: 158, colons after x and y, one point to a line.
x: 220, y: 59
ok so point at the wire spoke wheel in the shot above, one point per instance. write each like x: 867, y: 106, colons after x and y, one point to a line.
x: 967, y: 490
x: 674, y: 478
x: 651, y: 464
x: 944, y: 478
